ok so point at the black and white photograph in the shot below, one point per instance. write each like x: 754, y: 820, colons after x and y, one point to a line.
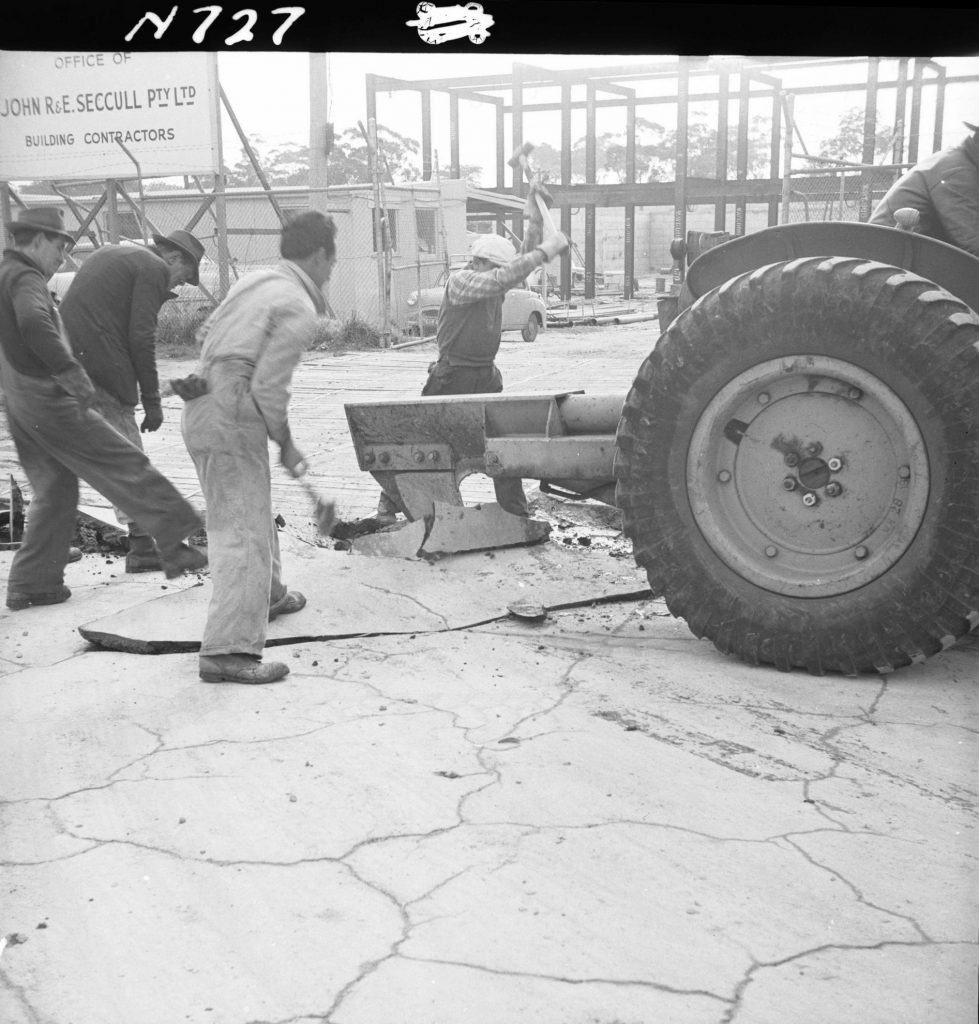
x: 489, y: 514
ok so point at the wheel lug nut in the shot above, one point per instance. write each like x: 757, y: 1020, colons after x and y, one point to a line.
x: 791, y: 459
x: 771, y: 551
x: 764, y: 398
x: 904, y: 472
x: 809, y: 499
x: 833, y: 489
x: 860, y: 552
x: 724, y: 476
x: 790, y: 483
x: 814, y: 449
x: 835, y: 464
x: 855, y: 393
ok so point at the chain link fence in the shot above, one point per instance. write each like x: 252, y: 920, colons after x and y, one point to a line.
x: 844, y: 193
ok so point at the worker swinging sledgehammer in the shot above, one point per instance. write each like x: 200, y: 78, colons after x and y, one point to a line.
x: 470, y: 326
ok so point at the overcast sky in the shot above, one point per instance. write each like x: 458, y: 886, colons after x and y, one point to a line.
x: 270, y: 95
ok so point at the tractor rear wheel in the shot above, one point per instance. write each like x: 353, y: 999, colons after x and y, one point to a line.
x: 798, y: 466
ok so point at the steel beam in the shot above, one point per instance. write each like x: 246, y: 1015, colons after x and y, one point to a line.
x: 566, y: 182
x: 454, y: 135
x: 629, y: 219
x: 590, y: 179
x: 723, y: 102
x: 680, y: 174
x: 426, y: 98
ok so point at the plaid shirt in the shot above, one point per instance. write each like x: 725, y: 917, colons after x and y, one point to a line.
x: 467, y: 286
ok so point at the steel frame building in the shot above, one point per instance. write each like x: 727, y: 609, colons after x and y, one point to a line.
x: 756, y: 78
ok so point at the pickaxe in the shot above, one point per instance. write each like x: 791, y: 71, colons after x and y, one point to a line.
x: 519, y: 159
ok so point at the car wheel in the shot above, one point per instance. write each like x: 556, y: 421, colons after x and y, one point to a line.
x: 531, y: 327
x: 797, y: 467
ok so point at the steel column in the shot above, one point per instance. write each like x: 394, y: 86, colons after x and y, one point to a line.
x: 744, y: 102
x: 723, y: 100
x: 454, y: 135
x: 590, y: 179
x: 426, y: 98
x: 869, y: 137
x: 915, y: 111
x: 629, y: 226
x: 939, y: 107
x: 773, y: 203
x: 565, y: 181
x: 680, y: 174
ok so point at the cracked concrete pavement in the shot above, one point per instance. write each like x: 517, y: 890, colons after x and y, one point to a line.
x: 596, y: 819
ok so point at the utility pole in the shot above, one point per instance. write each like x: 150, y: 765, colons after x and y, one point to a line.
x: 319, y: 120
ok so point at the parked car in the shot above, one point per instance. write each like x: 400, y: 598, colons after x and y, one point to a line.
x: 523, y: 310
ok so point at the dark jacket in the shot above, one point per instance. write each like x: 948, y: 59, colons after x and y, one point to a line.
x: 944, y: 189
x: 110, y: 313
x: 30, y: 331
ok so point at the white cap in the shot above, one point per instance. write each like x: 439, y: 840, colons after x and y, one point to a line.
x: 494, y: 248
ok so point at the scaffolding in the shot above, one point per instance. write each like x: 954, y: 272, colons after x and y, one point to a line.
x: 722, y: 81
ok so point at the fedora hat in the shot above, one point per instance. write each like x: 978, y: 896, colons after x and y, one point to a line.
x: 41, y: 218
x: 188, y: 245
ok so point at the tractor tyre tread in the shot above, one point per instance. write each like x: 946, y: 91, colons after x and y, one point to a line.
x: 917, y: 338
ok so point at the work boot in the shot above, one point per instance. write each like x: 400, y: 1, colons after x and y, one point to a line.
x: 74, y: 554
x: 142, y: 555
x: 18, y: 600
x: 240, y: 668
x: 291, y: 601
x: 182, y: 558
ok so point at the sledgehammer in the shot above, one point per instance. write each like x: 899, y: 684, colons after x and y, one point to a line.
x: 519, y: 159
x: 325, y: 510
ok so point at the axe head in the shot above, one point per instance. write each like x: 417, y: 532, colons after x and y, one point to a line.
x: 520, y: 154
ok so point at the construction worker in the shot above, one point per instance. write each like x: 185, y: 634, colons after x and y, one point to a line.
x: 944, y: 189
x: 470, y: 328
x: 58, y: 436
x: 110, y: 312
x: 236, y: 402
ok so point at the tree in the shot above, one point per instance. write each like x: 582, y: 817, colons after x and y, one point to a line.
x: 347, y: 163
x: 655, y: 153
x: 471, y: 173
x: 847, y: 143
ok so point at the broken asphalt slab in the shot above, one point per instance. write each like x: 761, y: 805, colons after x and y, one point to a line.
x: 454, y: 529
x: 351, y: 595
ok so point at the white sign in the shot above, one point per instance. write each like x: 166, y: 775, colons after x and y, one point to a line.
x: 69, y: 115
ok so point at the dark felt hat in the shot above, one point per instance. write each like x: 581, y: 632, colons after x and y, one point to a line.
x: 41, y: 218
x: 187, y: 244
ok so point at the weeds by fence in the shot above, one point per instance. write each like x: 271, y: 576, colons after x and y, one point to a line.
x: 179, y: 322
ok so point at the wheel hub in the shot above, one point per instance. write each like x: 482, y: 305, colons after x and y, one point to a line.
x: 808, y: 476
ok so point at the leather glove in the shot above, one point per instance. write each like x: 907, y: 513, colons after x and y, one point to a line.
x: 77, y: 383
x: 153, y: 415
x: 553, y: 245
x: 189, y: 388
x: 292, y: 458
